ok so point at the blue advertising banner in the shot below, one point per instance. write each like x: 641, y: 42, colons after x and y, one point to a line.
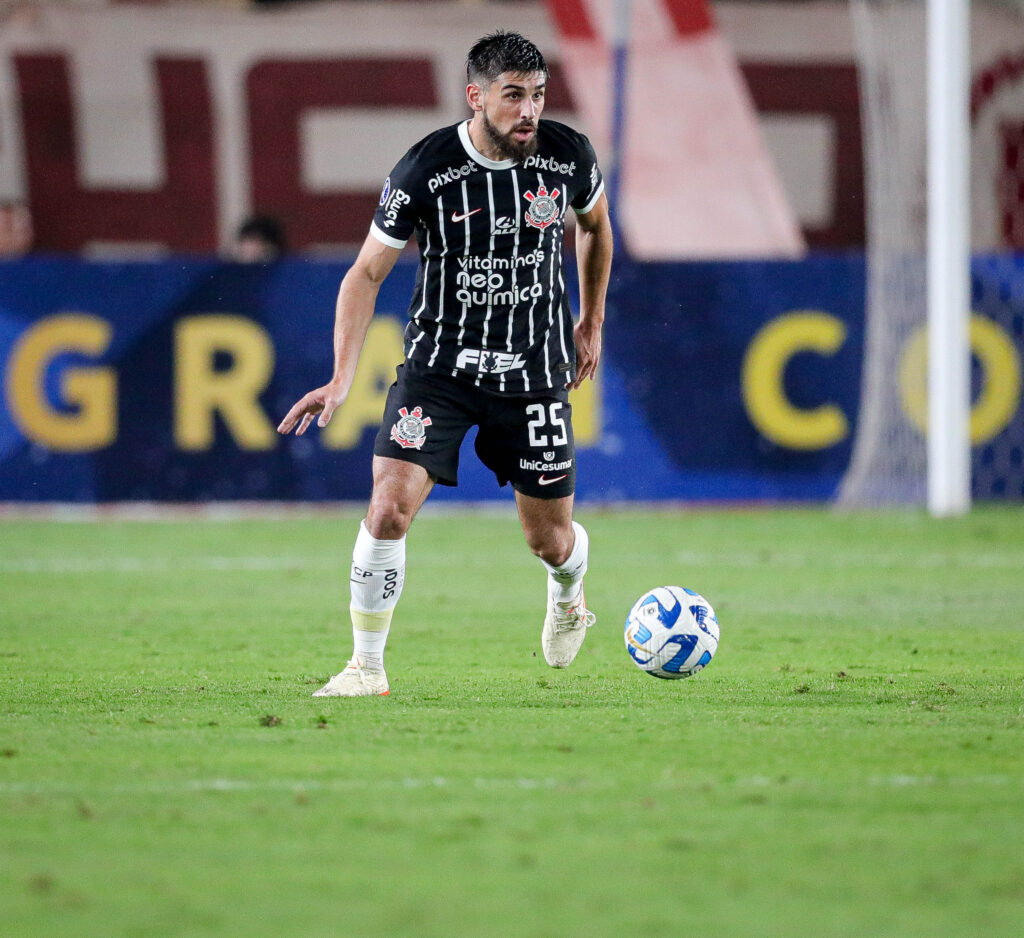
x: 164, y: 381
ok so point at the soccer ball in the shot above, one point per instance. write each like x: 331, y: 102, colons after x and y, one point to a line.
x: 671, y: 632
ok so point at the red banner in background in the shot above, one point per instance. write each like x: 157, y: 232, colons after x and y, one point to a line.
x: 179, y: 214
x: 691, y: 173
x: 161, y: 128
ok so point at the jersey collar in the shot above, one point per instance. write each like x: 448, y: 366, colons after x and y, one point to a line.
x: 475, y: 154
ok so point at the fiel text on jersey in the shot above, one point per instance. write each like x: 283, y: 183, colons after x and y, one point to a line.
x: 489, y: 362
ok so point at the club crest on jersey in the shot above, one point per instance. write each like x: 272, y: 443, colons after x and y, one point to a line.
x: 410, y: 430
x: 543, y: 209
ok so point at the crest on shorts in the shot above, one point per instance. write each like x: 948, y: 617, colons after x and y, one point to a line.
x: 543, y: 208
x: 410, y: 430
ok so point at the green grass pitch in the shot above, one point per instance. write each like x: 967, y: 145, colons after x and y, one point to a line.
x: 851, y: 763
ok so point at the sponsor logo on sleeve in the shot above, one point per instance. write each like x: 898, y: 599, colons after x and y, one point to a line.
x: 392, y: 204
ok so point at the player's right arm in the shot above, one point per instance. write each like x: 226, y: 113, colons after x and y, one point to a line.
x: 353, y: 312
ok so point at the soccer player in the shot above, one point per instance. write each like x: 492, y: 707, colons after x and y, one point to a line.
x: 490, y: 340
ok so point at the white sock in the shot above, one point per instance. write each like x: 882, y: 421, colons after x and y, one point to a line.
x: 565, y: 582
x: 368, y: 646
x: 377, y: 578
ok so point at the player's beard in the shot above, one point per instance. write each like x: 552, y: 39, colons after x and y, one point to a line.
x: 506, y: 144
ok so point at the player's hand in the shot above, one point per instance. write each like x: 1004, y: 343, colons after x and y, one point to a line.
x: 323, y: 401
x: 588, y: 351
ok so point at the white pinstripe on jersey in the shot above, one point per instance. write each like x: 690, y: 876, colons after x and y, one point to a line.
x: 440, y: 292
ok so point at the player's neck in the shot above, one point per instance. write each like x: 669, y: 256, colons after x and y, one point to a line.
x: 483, y: 142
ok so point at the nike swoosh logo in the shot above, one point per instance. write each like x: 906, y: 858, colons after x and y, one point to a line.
x: 544, y: 480
x: 456, y: 217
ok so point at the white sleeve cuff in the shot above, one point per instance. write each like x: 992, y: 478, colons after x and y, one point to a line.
x: 386, y: 238
x: 593, y: 200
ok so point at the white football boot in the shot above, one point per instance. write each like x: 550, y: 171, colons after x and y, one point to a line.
x: 356, y: 681
x: 565, y: 627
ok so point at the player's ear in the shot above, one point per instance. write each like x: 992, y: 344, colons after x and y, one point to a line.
x: 474, y: 96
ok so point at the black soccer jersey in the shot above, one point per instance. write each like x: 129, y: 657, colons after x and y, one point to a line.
x: 490, y: 303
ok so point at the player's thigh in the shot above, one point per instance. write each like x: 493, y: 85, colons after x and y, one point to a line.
x: 399, y: 490
x: 425, y: 420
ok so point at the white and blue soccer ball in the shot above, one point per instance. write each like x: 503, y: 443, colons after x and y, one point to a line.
x: 671, y: 632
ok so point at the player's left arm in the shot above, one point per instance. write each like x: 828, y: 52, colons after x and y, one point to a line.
x: 594, y: 261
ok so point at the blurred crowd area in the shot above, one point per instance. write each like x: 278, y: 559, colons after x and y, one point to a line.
x: 13, y: 10
x: 16, y: 232
x: 24, y: 9
x: 7, y: 7
x: 24, y: 6
x: 257, y: 240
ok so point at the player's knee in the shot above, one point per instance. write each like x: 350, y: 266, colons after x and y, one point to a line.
x: 390, y: 520
x: 552, y: 544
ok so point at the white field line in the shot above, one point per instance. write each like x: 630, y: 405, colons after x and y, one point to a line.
x: 272, y: 510
x: 339, y: 560
x: 846, y: 559
x: 189, y: 786
x: 987, y: 614
x: 426, y: 558
x: 157, y: 564
x: 225, y: 511
x: 526, y: 783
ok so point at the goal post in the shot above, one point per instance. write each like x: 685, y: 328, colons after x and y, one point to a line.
x: 949, y: 448
x: 914, y: 70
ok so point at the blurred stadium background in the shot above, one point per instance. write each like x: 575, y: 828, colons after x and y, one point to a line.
x: 765, y: 207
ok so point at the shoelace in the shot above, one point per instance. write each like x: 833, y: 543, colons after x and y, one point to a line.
x: 577, y: 617
x: 356, y: 665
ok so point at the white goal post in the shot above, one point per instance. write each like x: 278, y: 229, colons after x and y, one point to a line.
x: 914, y: 67
x: 949, y: 392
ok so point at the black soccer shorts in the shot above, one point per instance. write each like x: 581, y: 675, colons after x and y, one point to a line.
x: 523, y: 440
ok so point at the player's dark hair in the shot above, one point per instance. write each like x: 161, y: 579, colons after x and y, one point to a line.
x: 502, y: 51
x: 265, y: 228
